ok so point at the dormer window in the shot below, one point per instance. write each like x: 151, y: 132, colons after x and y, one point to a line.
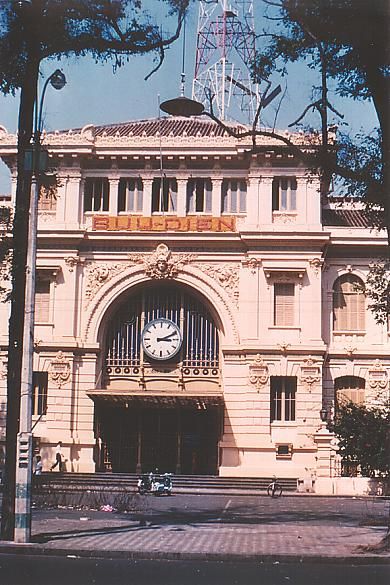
x: 284, y: 194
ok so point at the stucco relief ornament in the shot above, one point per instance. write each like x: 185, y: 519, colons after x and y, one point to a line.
x: 316, y: 265
x: 310, y: 373
x: 59, y: 369
x: 226, y: 275
x: 258, y: 373
x: 71, y: 262
x: 252, y: 264
x: 162, y: 263
x: 98, y: 275
x: 377, y: 376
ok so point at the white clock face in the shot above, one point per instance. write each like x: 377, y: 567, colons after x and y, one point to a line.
x: 161, y: 339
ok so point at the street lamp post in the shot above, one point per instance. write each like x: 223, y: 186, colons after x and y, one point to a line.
x: 35, y: 162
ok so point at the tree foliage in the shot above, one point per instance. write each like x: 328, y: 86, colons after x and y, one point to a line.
x: 5, y: 250
x: 364, y: 437
x: 346, y: 41
x: 105, y: 29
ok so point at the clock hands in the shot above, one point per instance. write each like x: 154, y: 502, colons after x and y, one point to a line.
x: 166, y: 338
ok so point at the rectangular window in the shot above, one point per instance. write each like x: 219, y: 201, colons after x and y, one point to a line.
x: 199, y: 195
x: 283, y: 391
x: 130, y: 195
x: 42, y: 301
x: 164, y: 195
x: 284, y: 304
x: 96, y: 194
x: 39, y: 393
x: 233, y: 196
x: 284, y: 194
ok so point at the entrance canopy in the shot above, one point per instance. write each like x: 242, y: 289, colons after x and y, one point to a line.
x: 196, y: 400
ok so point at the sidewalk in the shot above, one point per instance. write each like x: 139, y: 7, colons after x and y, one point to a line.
x: 100, y: 534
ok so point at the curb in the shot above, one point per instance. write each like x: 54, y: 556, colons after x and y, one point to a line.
x: 32, y: 549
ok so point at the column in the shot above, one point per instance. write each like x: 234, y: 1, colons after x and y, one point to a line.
x: 265, y: 200
x: 216, y: 206
x: 302, y: 209
x: 181, y: 197
x: 178, y: 452
x: 138, y: 468
x: 252, y: 201
x: 113, y: 196
x: 313, y: 201
x: 68, y: 210
x: 147, y: 202
x: 14, y: 180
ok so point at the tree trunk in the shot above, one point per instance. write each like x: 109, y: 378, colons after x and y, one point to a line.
x: 16, y: 321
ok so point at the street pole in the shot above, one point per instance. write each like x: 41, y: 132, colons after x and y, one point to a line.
x: 38, y: 163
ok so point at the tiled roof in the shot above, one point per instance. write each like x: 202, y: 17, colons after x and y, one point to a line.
x: 350, y: 218
x: 164, y: 126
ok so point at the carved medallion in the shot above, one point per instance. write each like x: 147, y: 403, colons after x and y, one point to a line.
x: 310, y: 373
x: 59, y: 369
x: 258, y: 373
x: 162, y: 263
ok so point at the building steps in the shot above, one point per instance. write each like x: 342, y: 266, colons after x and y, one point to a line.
x: 125, y: 482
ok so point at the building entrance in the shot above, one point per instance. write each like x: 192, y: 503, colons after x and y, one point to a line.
x: 174, y: 440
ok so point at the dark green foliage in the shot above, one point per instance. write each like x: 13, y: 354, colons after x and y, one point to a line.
x: 377, y: 290
x: 347, y: 41
x: 105, y: 29
x: 364, y: 437
x: 5, y: 249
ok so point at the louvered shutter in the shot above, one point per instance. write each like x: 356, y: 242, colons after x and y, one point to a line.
x: 42, y: 301
x: 284, y: 304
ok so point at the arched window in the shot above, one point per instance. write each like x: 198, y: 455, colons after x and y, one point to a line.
x: 349, y: 389
x: 348, y: 304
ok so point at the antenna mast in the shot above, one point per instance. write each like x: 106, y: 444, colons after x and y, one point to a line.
x: 225, y: 51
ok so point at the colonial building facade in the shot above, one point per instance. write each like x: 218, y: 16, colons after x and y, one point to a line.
x: 197, y: 306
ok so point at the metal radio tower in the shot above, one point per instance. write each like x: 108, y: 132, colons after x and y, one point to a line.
x: 225, y: 51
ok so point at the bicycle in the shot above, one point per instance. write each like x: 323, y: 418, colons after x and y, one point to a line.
x: 274, y: 490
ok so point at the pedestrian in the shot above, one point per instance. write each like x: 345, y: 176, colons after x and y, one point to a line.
x: 38, y: 465
x: 58, y: 460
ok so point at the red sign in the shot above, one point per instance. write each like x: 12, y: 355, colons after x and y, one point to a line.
x: 161, y: 223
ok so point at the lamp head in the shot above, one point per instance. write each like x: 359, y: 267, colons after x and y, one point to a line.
x: 323, y: 414
x: 57, y: 79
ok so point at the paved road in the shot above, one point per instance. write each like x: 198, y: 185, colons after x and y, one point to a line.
x: 27, y: 570
x: 218, y: 527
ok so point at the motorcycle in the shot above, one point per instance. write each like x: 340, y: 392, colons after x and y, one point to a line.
x: 144, y: 484
x: 162, y: 485
x: 155, y: 484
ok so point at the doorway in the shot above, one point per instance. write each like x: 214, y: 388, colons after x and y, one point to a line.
x: 179, y: 439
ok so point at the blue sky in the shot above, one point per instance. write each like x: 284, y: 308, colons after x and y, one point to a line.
x: 95, y: 94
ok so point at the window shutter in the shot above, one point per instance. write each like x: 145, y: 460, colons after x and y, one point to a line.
x: 284, y: 304
x: 348, y: 304
x: 42, y: 301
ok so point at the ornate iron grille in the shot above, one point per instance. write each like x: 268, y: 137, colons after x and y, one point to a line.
x: 200, y: 348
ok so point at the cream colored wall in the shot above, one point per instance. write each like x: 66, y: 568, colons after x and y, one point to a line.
x: 80, y: 302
